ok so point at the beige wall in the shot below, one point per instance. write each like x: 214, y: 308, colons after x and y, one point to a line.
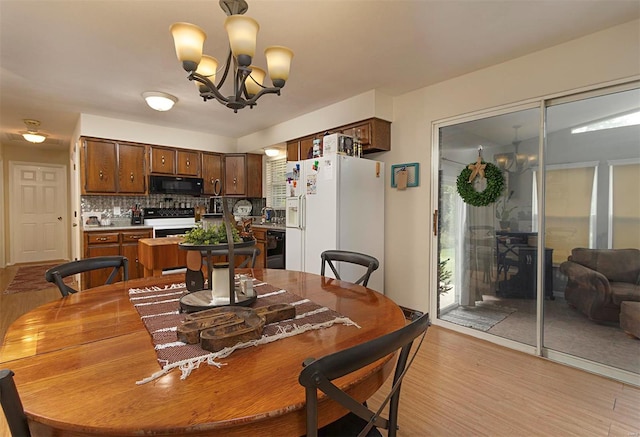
x: 23, y: 152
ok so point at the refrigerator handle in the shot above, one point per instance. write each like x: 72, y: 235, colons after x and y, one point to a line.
x: 302, y: 223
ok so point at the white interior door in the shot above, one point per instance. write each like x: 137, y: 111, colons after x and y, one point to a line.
x: 38, y: 209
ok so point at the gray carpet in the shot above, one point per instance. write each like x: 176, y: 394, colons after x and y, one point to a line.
x: 481, y: 317
x: 568, y: 330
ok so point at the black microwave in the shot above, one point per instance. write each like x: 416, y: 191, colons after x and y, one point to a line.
x: 175, y: 185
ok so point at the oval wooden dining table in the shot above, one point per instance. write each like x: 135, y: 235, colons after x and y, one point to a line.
x: 77, y: 361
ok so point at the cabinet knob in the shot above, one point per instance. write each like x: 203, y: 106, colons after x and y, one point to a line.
x: 101, y: 175
x: 101, y: 238
x: 235, y: 181
x: 131, y: 176
x: 188, y: 163
x: 162, y: 160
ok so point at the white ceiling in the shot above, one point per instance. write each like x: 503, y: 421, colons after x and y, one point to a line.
x: 60, y: 58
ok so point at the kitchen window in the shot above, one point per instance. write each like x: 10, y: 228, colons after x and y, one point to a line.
x: 276, y: 182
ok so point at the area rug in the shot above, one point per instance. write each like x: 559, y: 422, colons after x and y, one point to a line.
x: 159, y: 309
x: 480, y: 317
x: 31, y: 278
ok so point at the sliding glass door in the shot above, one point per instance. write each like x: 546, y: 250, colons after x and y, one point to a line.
x: 570, y: 169
x: 592, y: 222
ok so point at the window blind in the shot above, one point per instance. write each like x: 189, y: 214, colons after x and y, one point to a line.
x: 625, y: 206
x: 276, y: 183
x: 570, y: 195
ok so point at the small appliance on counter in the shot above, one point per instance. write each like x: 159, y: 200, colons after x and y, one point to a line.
x: 215, y: 206
x: 136, y: 215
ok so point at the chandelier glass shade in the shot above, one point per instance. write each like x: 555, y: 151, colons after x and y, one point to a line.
x: 248, y: 79
x: 514, y: 162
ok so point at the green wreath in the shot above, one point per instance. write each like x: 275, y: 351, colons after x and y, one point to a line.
x: 495, y: 185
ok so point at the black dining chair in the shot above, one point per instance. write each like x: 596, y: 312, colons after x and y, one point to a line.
x: 318, y: 374
x: 56, y: 274
x: 329, y: 257
x: 12, y: 405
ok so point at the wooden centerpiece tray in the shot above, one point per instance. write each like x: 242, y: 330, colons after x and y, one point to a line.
x: 222, y: 327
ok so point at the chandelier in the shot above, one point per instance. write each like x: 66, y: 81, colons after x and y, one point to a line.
x: 247, y: 78
x: 521, y: 161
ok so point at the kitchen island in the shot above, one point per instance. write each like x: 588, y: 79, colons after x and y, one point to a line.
x: 158, y: 254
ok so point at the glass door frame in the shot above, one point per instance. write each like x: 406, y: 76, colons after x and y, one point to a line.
x: 539, y: 349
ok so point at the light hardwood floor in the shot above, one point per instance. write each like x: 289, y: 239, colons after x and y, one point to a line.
x: 461, y: 386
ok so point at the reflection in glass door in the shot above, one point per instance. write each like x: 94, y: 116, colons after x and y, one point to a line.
x: 490, y: 250
x: 592, y: 219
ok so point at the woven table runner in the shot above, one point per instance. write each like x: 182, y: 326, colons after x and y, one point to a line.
x: 159, y: 309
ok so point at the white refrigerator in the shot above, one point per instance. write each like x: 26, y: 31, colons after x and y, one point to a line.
x: 335, y: 202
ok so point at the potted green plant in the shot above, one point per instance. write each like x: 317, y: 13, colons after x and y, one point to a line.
x: 503, y: 211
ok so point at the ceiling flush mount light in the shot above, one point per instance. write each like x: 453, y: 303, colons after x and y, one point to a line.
x: 32, y: 134
x: 159, y: 101
x: 271, y: 152
x: 247, y: 78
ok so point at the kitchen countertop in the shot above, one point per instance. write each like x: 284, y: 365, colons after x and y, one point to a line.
x: 114, y: 228
x: 268, y: 226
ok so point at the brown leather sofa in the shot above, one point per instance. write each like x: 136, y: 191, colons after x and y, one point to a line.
x: 599, y: 280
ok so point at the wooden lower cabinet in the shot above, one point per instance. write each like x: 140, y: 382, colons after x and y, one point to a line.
x: 261, y: 242
x: 100, y: 243
x: 129, y: 248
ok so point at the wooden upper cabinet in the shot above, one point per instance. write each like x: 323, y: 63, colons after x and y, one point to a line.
x: 131, y: 168
x: 188, y: 163
x: 243, y: 175
x: 99, y: 159
x: 110, y: 167
x: 293, y: 150
x: 374, y: 134
x: 234, y: 175
x: 254, y: 175
x: 362, y: 131
x: 301, y: 148
x: 212, y: 171
x: 163, y: 160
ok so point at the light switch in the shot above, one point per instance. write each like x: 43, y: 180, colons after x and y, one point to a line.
x: 116, y: 210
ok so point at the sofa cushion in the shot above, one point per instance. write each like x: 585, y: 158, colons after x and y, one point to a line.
x: 630, y: 317
x: 623, y: 291
x: 618, y: 265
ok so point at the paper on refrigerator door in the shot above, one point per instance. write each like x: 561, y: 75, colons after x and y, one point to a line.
x: 311, y: 184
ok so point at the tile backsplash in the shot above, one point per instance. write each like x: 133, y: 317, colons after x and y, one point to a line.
x: 106, y: 204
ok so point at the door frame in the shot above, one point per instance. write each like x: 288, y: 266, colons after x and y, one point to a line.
x: 12, y: 201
